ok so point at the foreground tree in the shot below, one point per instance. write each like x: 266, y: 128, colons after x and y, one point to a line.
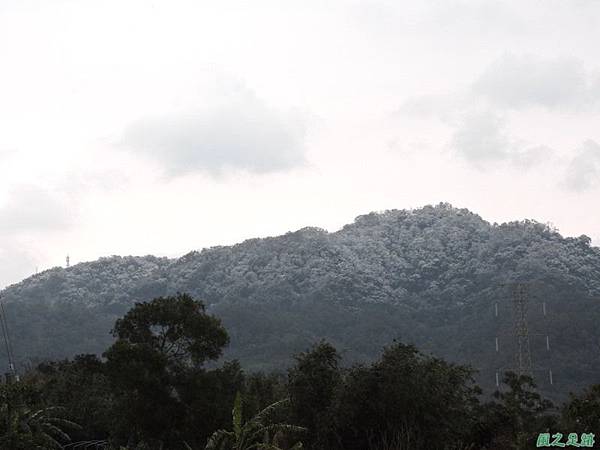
x: 582, y: 412
x: 177, y: 328
x: 313, y: 383
x: 407, y: 400
x: 159, y: 353
x: 517, y: 416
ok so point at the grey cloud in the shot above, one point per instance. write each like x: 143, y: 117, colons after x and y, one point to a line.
x: 29, y: 209
x: 482, y: 139
x: 515, y: 82
x: 583, y: 172
x: 476, y: 115
x: 243, y: 134
x: 523, y: 81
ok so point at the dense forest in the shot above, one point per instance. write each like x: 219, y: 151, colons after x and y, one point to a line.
x: 153, y: 389
x: 429, y: 277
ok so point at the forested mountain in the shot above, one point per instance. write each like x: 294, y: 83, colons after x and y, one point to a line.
x: 429, y: 276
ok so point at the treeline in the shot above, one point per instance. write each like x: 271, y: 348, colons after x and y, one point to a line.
x: 161, y: 386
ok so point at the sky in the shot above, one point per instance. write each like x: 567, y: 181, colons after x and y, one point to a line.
x: 159, y: 127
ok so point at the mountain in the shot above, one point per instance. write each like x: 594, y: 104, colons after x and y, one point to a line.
x: 433, y: 277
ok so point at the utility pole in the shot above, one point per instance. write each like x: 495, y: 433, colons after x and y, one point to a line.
x: 11, y: 375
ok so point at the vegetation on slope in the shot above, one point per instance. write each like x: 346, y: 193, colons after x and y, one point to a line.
x: 429, y: 276
x: 153, y: 390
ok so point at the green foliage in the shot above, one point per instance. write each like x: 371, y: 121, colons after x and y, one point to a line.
x: 82, y: 388
x: 152, y: 393
x: 156, y: 374
x: 424, y: 400
x: 175, y: 327
x: 582, y: 412
x: 313, y: 383
x: 521, y: 401
x: 26, y: 424
x: 518, y: 416
x: 261, y: 389
x: 257, y: 433
x: 426, y: 276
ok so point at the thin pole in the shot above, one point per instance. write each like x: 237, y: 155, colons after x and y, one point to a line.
x: 9, y: 352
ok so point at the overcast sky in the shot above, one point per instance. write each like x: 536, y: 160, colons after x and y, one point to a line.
x: 158, y: 127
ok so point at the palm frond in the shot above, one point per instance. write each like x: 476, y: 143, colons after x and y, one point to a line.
x: 219, y: 439
x: 266, y: 412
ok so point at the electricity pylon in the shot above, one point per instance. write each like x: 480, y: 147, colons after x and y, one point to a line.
x: 523, y: 365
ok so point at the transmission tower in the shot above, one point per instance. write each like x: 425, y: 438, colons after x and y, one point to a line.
x: 520, y: 296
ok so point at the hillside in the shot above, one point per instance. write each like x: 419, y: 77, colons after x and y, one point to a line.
x: 429, y: 276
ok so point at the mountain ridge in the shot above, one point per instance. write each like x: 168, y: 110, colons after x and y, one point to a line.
x: 428, y: 276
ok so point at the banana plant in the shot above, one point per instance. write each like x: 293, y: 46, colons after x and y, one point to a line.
x: 258, y: 433
x: 39, y: 429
